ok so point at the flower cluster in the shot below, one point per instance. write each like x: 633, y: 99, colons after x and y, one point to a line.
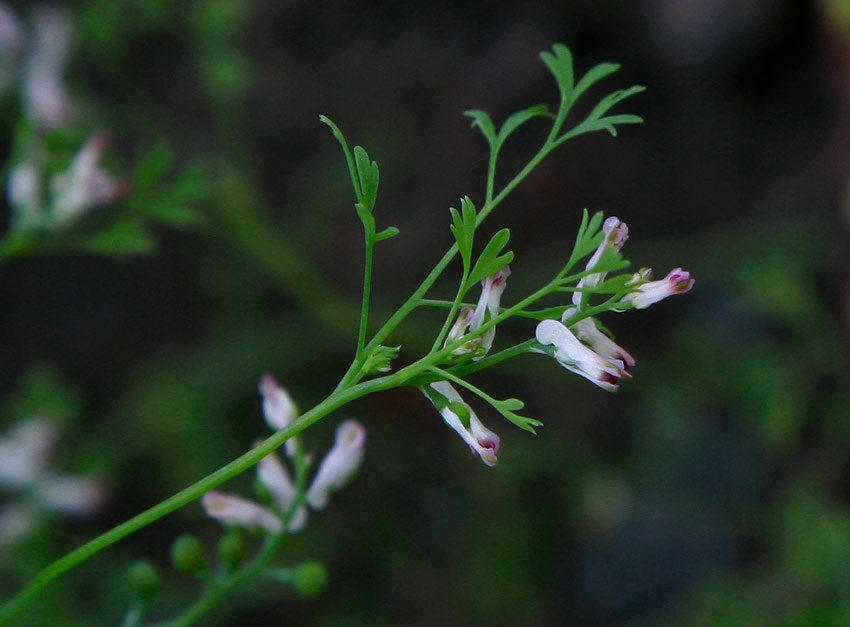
x: 84, y: 186
x: 576, y: 340
x: 579, y: 345
x: 336, y: 469
x: 25, y: 471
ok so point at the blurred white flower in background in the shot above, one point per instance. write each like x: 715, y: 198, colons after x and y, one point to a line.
x: 34, y: 487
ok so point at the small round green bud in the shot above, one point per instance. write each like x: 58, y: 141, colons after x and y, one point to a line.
x: 231, y: 550
x: 187, y: 555
x: 144, y: 578
x: 309, y: 578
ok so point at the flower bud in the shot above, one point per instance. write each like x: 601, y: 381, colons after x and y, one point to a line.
x: 239, y: 512
x: 144, y: 578
x: 340, y: 464
x: 460, y: 417
x: 278, y: 408
x: 187, y: 555
x: 231, y: 550
x: 309, y: 578
x: 677, y: 281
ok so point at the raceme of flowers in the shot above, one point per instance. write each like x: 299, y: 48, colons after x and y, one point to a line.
x: 336, y: 469
x: 36, y: 58
x: 577, y: 342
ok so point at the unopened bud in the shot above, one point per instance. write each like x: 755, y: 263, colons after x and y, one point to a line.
x: 144, y: 578
x: 309, y: 578
x: 231, y: 550
x: 187, y: 555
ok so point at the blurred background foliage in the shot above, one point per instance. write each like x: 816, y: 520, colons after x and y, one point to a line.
x: 713, y: 489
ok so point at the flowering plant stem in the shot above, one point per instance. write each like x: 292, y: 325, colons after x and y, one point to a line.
x: 438, y: 363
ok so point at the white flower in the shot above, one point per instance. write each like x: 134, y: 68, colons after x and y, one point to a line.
x: 459, y: 329
x: 492, y: 288
x: 589, y: 334
x: 578, y: 358
x: 616, y: 234
x: 336, y: 469
x: 281, y: 488
x: 84, y: 185
x: 469, y: 320
x: 239, y: 512
x: 677, y: 281
x: 480, y: 439
x: 24, y: 190
x: 24, y: 469
x: 77, y: 496
x: 25, y: 452
x: 340, y: 464
x: 278, y: 408
x: 45, y: 96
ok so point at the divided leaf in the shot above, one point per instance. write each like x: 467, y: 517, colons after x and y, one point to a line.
x: 506, y: 408
x: 349, y: 158
x: 595, y: 122
x: 367, y: 175
x: 588, y: 237
x: 561, y: 66
x: 593, y: 75
x: 519, y: 118
x: 463, y: 228
x: 491, y: 261
x: 483, y: 122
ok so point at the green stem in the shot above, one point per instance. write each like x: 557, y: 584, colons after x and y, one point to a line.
x: 360, y: 357
x: 453, y: 309
x: 216, y: 590
x: 187, y: 495
x: 213, y: 596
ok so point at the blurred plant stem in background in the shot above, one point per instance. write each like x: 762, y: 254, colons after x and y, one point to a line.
x: 240, y: 216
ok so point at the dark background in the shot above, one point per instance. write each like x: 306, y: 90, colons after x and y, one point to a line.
x: 713, y: 489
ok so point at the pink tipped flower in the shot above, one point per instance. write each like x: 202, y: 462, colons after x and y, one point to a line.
x: 274, y: 477
x: 340, y: 464
x: 480, y: 439
x: 278, y: 408
x: 615, y: 235
x: 589, y: 334
x: 470, y: 320
x: 238, y: 512
x: 677, y: 281
x: 85, y: 186
x: 492, y: 289
x: 578, y: 358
